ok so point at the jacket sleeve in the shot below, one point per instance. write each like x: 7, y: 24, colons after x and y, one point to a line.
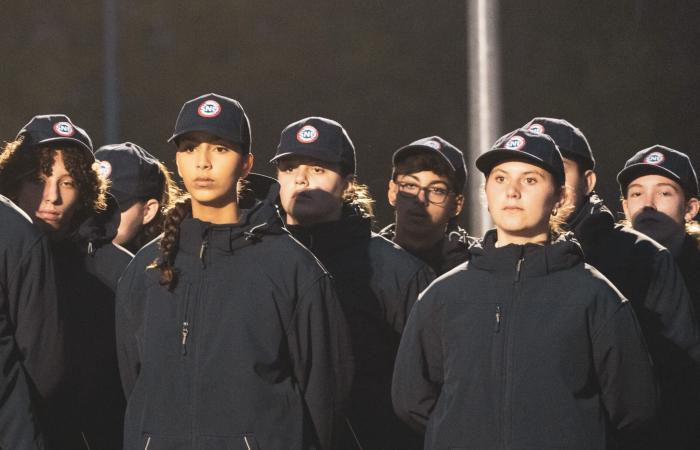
x: 320, y: 348
x: 37, y: 314
x: 624, y: 369
x: 398, y: 312
x: 128, y: 323
x: 669, y: 299
x: 418, y: 371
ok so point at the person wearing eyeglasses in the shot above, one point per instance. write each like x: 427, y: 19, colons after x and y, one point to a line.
x: 425, y: 189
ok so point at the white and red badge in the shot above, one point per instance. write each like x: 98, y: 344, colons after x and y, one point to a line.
x: 433, y: 144
x: 654, y: 158
x: 209, y: 108
x: 64, y: 129
x: 536, y: 128
x: 515, y: 143
x: 307, y: 134
x: 104, y: 168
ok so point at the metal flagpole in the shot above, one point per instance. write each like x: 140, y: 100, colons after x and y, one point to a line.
x: 111, y: 72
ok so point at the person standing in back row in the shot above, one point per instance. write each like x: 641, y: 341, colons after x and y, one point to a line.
x: 229, y: 332
x: 377, y: 282
x: 660, y: 199
x: 644, y: 271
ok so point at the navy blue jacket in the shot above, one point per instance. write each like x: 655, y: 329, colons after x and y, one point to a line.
x: 249, y: 350
x: 377, y: 283
x: 90, y: 407
x: 31, y: 339
x: 523, y: 347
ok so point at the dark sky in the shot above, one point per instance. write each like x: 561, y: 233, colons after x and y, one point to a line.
x: 625, y: 72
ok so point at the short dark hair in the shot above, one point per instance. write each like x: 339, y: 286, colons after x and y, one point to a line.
x: 426, y: 161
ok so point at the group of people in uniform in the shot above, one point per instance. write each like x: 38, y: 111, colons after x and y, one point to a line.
x: 241, y: 311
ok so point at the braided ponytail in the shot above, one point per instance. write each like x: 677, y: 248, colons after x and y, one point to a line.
x: 169, y: 242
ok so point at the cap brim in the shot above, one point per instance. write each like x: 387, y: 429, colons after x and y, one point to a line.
x: 412, y: 149
x: 487, y: 161
x: 634, y: 171
x: 80, y: 144
x: 309, y: 152
x: 213, y: 131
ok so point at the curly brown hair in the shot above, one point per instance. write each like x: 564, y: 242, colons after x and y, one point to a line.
x: 19, y: 162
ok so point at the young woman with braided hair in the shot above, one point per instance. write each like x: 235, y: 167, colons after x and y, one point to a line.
x: 229, y: 333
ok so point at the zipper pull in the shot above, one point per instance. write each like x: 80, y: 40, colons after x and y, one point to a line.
x: 185, y: 332
x: 148, y: 442
x: 517, y: 268
x: 202, y: 250
x: 498, y: 319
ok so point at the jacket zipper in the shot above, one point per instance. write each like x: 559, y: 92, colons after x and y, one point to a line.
x: 148, y: 442
x: 185, y: 324
x: 247, y: 444
x: 202, y: 251
x: 499, y: 316
x: 184, y: 333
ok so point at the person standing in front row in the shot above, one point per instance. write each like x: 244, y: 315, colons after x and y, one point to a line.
x: 660, y: 199
x: 426, y: 191
x: 229, y: 332
x: 49, y: 172
x: 377, y: 282
x: 524, y: 361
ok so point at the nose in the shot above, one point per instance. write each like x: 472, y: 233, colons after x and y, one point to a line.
x: 512, y: 190
x: 203, y: 161
x: 51, y: 193
x: 649, y: 201
x: 422, y: 196
x: 300, y: 176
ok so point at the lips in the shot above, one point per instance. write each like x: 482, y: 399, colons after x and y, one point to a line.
x: 48, y: 216
x: 203, y: 182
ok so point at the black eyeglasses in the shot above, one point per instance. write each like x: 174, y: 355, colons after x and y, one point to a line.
x: 435, y: 195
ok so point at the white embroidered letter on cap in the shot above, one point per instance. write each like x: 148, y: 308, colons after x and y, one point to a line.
x: 209, y: 109
x: 536, y: 128
x: 434, y: 144
x: 654, y: 158
x: 515, y: 143
x: 307, y: 134
x: 64, y: 129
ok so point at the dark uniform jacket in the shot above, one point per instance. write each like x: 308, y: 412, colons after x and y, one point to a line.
x: 31, y: 340
x: 647, y: 275
x: 249, y: 350
x: 90, y: 410
x: 523, y: 347
x: 377, y: 283
x: 447, y: 253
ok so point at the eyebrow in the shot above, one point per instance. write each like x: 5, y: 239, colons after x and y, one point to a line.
x: 671, y: 185
x: 432, y: 183
x: 529, y: 172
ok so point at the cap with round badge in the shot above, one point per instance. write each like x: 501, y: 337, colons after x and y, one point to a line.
x: 319, y: 138
x: 217, y: 115
x: 660, y: 160
x: 435, y: 144
x: 52, y: 129
x: 523, y: 145
x: 570, y: 140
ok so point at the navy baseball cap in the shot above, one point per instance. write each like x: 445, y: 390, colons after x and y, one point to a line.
x: 523, y: 145
x: 319, y: 138
x: 660, y: 160
x: 435, y: 144
x: 52, y: 129
x: 570, y: 140
x: 134, y: 174
x: 217, y: 115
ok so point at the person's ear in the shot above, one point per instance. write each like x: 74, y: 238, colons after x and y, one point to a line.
x: 391, y: 192
x: 459, y: 204
x: 150, y: 209
x: 348, y: 182
x: 692, y: 207
x: 591, y: 179
x: 247, y: 164
x: 626, y: 210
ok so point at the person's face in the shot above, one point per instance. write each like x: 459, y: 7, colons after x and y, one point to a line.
x: 311, y: 191
x: 50, y: 200
x: 520, y: 197
x: 578, y: 185
x: 415, y: 213
x: 132, y: 219
x: 656, y: 206
x: 210, y: 168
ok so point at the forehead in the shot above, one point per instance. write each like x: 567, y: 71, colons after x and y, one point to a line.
x: 518, y: 168
x: 199, y: 137
x: 298, y: 160
x: 654, y: 180
x: 424, y: 177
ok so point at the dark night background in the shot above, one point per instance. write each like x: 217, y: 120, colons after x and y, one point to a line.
x: 625, y: 72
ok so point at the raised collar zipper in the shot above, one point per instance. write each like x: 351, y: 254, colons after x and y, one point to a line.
x: 202, y: 251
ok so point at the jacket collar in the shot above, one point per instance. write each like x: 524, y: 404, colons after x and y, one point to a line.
x: 591, y: 217
x: 328, y: 237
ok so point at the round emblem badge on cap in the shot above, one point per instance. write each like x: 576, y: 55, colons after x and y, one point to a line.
x: 536, y: 128
x: 654, y: 158
x: 307, y: 134
x: 104, y: 168
x: 433, y: 144
x: 64, y: 129
x: 209, y: 108
x: 515, y: 143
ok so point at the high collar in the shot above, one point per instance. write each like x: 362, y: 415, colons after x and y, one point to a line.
x: 590, y: 218
x: 96, y: 230
x: 196, y: 236
x: 328, y: 237
x: 524, y: 261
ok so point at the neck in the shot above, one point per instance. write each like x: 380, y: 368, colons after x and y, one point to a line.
x: 418, y: 242
x: 216, y: 214
x: 505, y: 238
